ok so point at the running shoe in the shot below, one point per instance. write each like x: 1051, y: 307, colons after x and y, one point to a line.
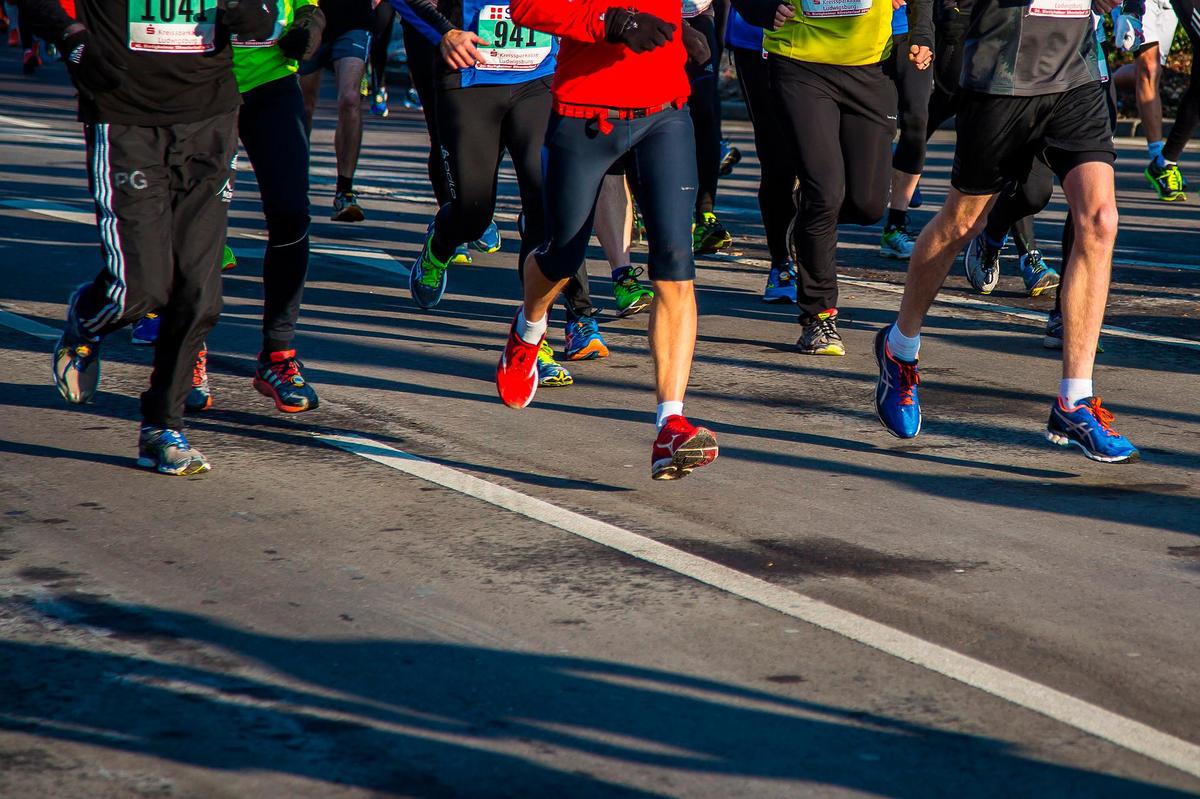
x: 346, y: 208
x: 379, y: 103
x: 427, y: 278
x: 638, y: 233
x: 517, y: 372
x: 781, y: 283
x: 364, y: 86
x: 31, y: 60
x: 168, y: 452
x: 709, y: 235
x: 461, y: 257
x: 76, y: 359
x: 228, y: 259
x: 490, y: 240
x: 584, y: 342
x: 981, y: 262
x: 200, y: 396
x: 1089, y: 427
x: 1038, y: 275
x: 14, y: 37
x: 549, y: 371
x: 144, y: 331
x: 1167, y: 182
x: 896, y: 401
x: 819, y: 335
x: 680, y: 448
x: 278, y: 376
x: 730, y: 156
x: 1053, y: 339
x: 412, y: 100
x: 631, y: 296
x: 896, y: 242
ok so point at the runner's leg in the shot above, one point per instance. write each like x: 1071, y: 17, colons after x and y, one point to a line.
x: 347, y: 141
x: 421, y: 52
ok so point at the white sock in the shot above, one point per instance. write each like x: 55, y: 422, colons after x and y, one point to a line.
x: 531, y: 332
x: 669, y: 408
x: 903, y: 348
x: 1074, y: 389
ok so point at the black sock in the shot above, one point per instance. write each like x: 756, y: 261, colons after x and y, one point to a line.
x: 897, y: 218
x: 344, y: 184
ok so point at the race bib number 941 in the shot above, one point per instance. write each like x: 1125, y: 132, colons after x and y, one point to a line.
x: 173, y: 26
x: 510, y: 47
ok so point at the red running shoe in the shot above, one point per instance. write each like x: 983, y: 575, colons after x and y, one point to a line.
x: 681, y: 447
x: 516, y: 374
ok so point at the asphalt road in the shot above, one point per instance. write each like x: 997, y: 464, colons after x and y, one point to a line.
x: 414, y: 591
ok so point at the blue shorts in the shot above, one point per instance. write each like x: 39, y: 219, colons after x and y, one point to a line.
x: 660, y: 153
x: 351, y: 44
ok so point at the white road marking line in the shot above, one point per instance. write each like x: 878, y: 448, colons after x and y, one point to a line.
x: 17, y: 322
x: 22, y: 123
x: 1092, y: 719
x: 65, y: 213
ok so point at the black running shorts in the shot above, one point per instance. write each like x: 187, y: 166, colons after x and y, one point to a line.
x: 999, y: 136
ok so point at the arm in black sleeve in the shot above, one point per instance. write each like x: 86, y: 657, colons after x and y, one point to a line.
x: 427, y: 10
x: 760, y: 13
x: 920, y: 23
x: 1134, y: 8
x: 45, y: 17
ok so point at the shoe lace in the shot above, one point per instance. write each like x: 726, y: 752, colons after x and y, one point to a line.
x: 431, y: 273
x: 825, y: 328
x: 286, y: 369
x: 1174, y: 177
x: 910, y: 378
x: 200, y: 370
x: 630, y: 279
x: 586, y: 325
x: 1104, y: 416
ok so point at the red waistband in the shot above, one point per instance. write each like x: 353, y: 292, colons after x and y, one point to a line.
x: 603, y: 114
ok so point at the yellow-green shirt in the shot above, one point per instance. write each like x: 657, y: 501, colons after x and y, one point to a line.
x: 256, y: 63
x: 848, y: 41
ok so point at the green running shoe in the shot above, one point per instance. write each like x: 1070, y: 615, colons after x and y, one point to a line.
x: 228, y: 260
x: 1167, y: 181
x: 632, y: 297
x: 427, y: 278
x: 551, y: 372
x: 709, y: 235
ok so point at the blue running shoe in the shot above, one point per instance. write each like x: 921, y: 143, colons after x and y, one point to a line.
x: 781, y: 283
x: 490, y: 240
x: 584, y: 342
x: 76, y: 362
x: 168, y: 452
x: 427, y: 278
x: 145, y: 330
x: 896, y: 401
x: 549, y: 371
x: 1089, y: 427
x: 917, y: 200
x: 462, y: 256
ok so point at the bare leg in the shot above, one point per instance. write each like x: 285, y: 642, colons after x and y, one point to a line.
x: 673, y: 336
x: 960, y: 220
x: 903, y: 186
x: 614, y: 220
x: 348, y: 140
x: 540, y: 291
x: 1091, y: 195
x: 1149, y: 101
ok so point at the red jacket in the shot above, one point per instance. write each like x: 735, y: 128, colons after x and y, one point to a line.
x: 594, y: 72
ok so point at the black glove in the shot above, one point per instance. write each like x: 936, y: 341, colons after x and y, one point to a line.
x: 251, y: 20
x: 92, y: 71
x: 304, y: 36
x: 638, y: 31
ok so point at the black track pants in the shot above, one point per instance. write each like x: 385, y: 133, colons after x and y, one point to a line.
x: 421, y: 54
x: 271, y: 126
x: 162, y: 200
x: 914, y: 88
x: 1188, y: 115
x: 475, y: 126
x: 777, y: 179
x: 840, y: 122
x: 705, y: 107
x: 381, y: 40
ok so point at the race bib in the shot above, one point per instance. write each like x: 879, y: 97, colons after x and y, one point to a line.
x: 173, y: 26
x: 835, y: 8
x: 510, y: 48
x: 694, y: 8
x: 1060, y: 8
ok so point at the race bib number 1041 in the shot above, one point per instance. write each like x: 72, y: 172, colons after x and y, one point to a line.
x: 172, y: 26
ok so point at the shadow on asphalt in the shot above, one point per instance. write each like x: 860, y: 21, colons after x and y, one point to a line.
x: 432, y: 720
